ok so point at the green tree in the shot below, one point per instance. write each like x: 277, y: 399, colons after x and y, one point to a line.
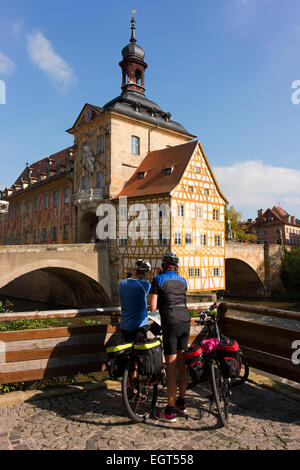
x: 235, y: 229
x: 290, y: 269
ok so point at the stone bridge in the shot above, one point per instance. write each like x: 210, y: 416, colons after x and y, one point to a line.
x: 85, y: 274
x: 77, y: 275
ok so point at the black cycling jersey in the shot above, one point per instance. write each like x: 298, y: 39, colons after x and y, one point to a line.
x: 171, y: 290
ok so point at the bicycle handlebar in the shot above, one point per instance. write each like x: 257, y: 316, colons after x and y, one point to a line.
x: 207, y: 313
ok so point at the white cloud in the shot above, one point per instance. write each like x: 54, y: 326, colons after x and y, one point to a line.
x: 252, y: 185
x: 17, y: 27
x: 7, y: 66
x: 42, y: 54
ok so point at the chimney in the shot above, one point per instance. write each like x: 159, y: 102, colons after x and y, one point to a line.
x: 260, y: 212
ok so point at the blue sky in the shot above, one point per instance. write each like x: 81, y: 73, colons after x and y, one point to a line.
x: 224, y: 69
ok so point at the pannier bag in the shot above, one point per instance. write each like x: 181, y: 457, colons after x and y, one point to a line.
x: 228, y: 352
x: 194, y: 359
x: 117, y: 356
x: 149, y: 356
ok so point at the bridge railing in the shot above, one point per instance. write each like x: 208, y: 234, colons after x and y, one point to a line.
x: 32, y: 354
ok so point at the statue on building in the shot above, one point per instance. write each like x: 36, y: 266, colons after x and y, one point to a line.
x: 4, y: 207
x: 88, y: 160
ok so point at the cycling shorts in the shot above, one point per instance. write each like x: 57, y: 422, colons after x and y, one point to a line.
x: 175, y: 337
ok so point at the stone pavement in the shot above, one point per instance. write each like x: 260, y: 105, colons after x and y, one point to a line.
x: 95, y: 419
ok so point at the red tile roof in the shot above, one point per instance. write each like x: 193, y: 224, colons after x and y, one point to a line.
x: 41, y: 165
x: 155, y: 180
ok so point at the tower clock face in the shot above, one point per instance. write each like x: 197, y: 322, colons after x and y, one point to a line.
x: 88, y: 115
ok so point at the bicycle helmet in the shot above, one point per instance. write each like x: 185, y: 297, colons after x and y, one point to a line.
x: 142, y: 266
x: 170, y: 259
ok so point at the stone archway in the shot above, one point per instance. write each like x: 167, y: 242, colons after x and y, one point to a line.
x: 242, y: 280
x: 57, y: 285
x: 87, y: 227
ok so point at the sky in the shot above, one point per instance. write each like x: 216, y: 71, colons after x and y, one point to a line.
x: 227, y: 70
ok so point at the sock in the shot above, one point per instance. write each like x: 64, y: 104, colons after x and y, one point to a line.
x: 180, y: 401
x: 169, y: 410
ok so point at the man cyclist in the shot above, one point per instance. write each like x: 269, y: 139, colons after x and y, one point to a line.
x: 168, y: 294
x: 133, y: 293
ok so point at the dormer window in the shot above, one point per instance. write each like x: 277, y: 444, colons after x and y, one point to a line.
x: 141, y: 175
x: 168, y: 171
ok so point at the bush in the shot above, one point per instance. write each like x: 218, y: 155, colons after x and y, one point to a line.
x: 290, y: 270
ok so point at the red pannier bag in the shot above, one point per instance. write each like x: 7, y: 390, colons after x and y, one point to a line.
x: 194, y: 359
x: 228, y: 352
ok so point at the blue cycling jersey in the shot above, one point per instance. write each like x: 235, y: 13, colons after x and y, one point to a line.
x: 133, y: 297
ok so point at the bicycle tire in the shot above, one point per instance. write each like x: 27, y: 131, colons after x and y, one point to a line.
x: 220, y: 386
x: 244, y: 373
x: 139, y: 395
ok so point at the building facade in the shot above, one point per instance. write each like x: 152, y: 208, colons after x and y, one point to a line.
x: 129, y: 149
x: 276, y: 226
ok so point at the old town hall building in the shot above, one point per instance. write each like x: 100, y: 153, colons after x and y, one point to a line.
x: 127, y: 151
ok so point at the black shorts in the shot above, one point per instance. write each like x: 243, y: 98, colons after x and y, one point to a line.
x: 133, y: 336
x: 176, y: 337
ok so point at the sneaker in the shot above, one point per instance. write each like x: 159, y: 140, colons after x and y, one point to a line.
x: 162, y: 416
x: 180, y: 408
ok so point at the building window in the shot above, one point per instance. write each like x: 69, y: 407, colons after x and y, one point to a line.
x: 163, y: 210
x: 45, y: 201
x: 27, y: 207
x: 197, y: 272
x: 257, y: 232
x: 5, y: 240
x: 163, y: 239
x: 66, y: 232
x: 217, y: 240
x: 54, y: 234
x: 198, y: 170
x: 135, y: 145
x: 84, y: 182
x: 20, y: 209
x: 178, y: 238
x: 18, y: 239
x: 199, y: 212
x: 216, y: 272
x: 188, y: 239
x: 12, y: 212
x: 203, y: 239
x: 215, y: 214
x: 36, y: 204
x: 44, y: 235
x: 55, y: 199
x: 26, y: 237
x: 100, y: 144
x: 67, y: 195
x: 180, y: 210
x: 206, y: 191
x: 191, y: 189
x: 123, y: 239
x: 99, y: 181
x: 35, y: 236
x: 11, y: 239
x: 191, y: 272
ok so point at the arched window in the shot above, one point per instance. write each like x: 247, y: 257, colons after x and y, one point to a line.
x: 138, y: 76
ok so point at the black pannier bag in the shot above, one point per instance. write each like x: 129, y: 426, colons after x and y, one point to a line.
x: 117, y: 356
x: 194, y: 359
x: 149, y: 356
x: 228, y: 352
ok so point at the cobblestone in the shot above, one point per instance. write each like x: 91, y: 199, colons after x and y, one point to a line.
x: 96, y: 420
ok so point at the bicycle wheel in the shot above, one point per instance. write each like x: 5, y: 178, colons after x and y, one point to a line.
x: 244, y: 373
x: 139, y: 395
x: 220, y: 386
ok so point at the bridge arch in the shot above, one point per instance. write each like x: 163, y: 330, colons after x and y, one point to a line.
x: 56, y: 281
x: 242, y: 279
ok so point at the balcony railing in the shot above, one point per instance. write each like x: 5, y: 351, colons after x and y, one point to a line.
x: 88, y: 198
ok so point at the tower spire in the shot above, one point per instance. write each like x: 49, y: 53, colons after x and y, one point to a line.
x: 133, y: 65
x: 132, y: 39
